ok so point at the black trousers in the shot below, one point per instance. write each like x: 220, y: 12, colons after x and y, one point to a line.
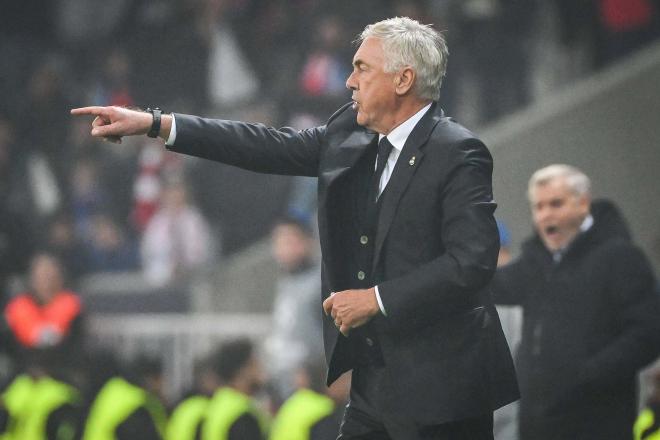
x: 369, y: 417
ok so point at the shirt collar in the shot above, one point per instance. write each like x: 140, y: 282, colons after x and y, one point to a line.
x: 400, y: 134
x: 587, y: 223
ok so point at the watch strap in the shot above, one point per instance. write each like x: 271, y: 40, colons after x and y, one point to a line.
x: 155, y: 124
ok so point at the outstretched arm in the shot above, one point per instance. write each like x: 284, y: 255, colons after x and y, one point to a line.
x: 255, y: 147
x: 113, y: 123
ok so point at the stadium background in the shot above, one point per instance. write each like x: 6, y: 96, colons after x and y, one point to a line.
x: 541, y: 82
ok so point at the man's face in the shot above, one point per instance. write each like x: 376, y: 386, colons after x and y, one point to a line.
x: 557, y: 213
x: 45, y: 278
x: 374, y: 93
x: 290, y: 246
x: 254, y: 375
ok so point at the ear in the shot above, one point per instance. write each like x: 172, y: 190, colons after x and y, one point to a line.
x: 585, y: 203
x: 404, y: 81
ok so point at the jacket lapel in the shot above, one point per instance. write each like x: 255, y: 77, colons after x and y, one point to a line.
x: 407, y: 163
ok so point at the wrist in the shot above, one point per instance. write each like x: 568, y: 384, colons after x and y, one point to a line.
x: 375, y: 308
x: 165, y: 126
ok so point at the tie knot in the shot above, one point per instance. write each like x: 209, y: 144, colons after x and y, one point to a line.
x: 384, y: 148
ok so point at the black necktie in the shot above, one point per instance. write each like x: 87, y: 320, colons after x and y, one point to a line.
x: 384, y: 150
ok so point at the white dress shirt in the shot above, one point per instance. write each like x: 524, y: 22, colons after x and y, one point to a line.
x: 397, y: 138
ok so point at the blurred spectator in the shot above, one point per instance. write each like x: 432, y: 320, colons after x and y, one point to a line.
x: 325, y: 71
x: 327, y: 427
x: 47, y: 320
x: 155, y: 164
x: 647, y: 425
x: 177, y: 240
x: 46, y: 105
x: 113, y: 83
x: 589, y: 313
x: 129, y: 407
x: 188, y: 416
x: 26, y: 34
x: 15, y: 238
x: 43, y: 403
x: 275, y: 36
x: 314, y: 411
x: 303, y: 198
x: 15, y: 400
x: 61, y: 241
x: 626, y: 26
x: 15, y: 193
x: 493, y: 48
x: 232, y: 413
x: 231, y: 78
x: 322, y: 78
x: 108, y: 248
x: 296, y: 335
x: 85, y: 28
x: 88, y: 196
x: 157, y: 76
x: 578, y: 26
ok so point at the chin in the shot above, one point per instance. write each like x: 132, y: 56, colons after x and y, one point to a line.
x: 361, y: 119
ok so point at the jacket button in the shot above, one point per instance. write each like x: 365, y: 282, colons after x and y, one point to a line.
x: 364, y: 239
x: 370, y: 342
x: 361, y: 275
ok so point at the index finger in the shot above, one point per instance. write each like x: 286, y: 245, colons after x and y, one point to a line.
x: 327, y: 305
x: 94, y: 110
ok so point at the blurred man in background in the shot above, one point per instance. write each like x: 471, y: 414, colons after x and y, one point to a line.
x: 129, y: 406
x: 188, y: 416
x: 232, y: 413
x: 47, y: 318
x: 314, y: 411
x: 590, y: 313
x: 297, y: 330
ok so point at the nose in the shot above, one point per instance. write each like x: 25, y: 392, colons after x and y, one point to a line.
x: 350, y: 82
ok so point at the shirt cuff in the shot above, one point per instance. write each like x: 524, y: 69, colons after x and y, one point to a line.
x: 380, y: 303
x: 172, y: 138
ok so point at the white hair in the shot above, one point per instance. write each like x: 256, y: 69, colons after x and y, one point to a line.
x: 406, y: 42
x: 577, y: 181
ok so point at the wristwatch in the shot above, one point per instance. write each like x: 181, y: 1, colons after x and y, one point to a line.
x: 155, y: 124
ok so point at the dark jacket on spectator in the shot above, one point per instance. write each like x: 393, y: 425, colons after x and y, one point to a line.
x: 590, y: 323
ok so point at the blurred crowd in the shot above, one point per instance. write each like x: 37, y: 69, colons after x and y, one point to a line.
x: 71, y: 206
x: 107, y: 208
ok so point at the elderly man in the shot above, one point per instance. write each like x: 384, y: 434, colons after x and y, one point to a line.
x: 590, y: 313
x: 408, y: 239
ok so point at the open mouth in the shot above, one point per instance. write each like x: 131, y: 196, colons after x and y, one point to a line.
x: 551, y: 231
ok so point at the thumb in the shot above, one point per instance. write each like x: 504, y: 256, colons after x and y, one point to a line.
x: 109, y: 130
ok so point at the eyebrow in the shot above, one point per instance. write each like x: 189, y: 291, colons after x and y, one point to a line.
x: 358, y: 62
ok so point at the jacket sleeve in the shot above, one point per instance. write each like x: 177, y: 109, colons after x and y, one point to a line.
x: 510, y: 283
x: 635, y: 297
x: 254, y: 147
x: 469, y: 236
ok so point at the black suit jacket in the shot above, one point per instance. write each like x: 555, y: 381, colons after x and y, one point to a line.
x: 436, y: 249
